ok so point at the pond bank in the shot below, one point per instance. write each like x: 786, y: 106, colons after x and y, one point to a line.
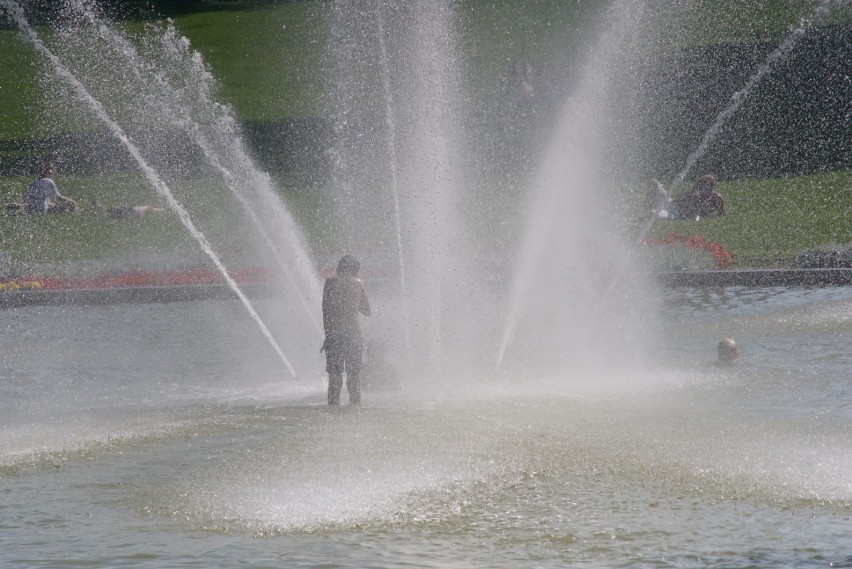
x: 757, y: 278
x: 194, y: 292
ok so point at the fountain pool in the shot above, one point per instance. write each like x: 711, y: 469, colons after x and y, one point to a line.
x: 162, y: 448
x: 162, y: 435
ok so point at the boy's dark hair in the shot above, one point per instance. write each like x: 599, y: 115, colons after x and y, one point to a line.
x: 348, y: 266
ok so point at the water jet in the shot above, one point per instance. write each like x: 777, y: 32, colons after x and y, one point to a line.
x: 129, y: 430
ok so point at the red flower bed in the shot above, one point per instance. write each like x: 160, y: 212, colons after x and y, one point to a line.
x: 722, y: 256
x: 142, y: 278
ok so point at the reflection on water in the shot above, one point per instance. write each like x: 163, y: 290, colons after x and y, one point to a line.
x: 153, y: 435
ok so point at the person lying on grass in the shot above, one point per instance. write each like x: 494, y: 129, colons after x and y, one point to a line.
x: 127, y: 211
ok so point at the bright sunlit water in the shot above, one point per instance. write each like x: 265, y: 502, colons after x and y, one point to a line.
x: 130, y: 439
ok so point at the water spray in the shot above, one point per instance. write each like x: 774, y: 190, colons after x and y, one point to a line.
x: 740, y: 96
x: 576, y: 131
x: 17, y: 13
x: 202, y: 141
x: 394, y: 173
x: 737, y: 100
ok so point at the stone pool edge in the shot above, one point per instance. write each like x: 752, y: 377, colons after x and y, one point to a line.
x: 757, y: 278
x: 183, y: 293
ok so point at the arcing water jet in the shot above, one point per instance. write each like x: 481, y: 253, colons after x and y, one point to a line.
x: 231, y: 163
x: 17, y: 14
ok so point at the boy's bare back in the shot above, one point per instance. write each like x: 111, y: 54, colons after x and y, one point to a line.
x: 343, y: 299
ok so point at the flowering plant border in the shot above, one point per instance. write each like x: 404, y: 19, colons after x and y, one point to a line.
x: 721, y: 256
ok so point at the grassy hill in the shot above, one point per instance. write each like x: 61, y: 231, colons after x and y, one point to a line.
x: 269, y: 61
x: 770, y: 221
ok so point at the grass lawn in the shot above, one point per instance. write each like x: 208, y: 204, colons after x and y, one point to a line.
x: 88, y: 241
x: 269, y: 62
x: 772, y: 220
x: 20, y: 102
x: 734, y: 21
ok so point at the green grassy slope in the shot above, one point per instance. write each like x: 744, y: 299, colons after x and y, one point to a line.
x: 269, y: 62
x: 772, y: 220
x: 59, y: 241
x: 269, y: 57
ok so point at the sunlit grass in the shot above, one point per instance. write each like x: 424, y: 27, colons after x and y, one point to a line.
x: 269, y: 58
x: 20, y: 97
x: 87, y: 236
x: 772, y: 220
x: 769, y: 223
x: 709, y: 22
x: 269, y: 62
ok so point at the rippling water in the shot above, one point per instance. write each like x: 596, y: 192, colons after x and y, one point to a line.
x: 159, y: 436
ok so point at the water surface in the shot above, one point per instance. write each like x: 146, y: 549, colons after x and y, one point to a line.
x: 155, y: 436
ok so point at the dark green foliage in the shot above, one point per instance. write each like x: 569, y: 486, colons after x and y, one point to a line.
x: 795, y: 121
x: 825, y: 257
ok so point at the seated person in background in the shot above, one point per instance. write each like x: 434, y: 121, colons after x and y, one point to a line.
x: 701, y: 201
x: 43, y: 195
x: 378, y: 374
x: 127, y: 211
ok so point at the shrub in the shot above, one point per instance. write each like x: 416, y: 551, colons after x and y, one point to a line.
x: 831, y: 256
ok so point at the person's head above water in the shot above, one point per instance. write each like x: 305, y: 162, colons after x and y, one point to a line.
x: 348, y: 266
x: 727, y: 350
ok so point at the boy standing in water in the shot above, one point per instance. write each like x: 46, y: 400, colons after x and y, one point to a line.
x: 343, y: 298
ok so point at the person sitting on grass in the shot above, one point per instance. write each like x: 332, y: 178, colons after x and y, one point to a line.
x: 701, y: 201
x: 43, y: 196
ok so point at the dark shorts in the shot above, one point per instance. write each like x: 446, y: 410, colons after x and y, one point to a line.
x: 343, y: 352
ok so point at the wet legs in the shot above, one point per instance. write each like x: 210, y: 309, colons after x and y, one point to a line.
x: 353, y: 385
x: 335, y: 384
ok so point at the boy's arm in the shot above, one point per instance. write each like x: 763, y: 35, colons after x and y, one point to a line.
x: 326, y: 313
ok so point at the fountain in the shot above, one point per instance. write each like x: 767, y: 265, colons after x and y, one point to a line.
x: 152, y: 176
x: 822, y: 10
x: 129, y: 431
x: 399, y: 155
x: 176, y: 88
x: 565, y: 255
